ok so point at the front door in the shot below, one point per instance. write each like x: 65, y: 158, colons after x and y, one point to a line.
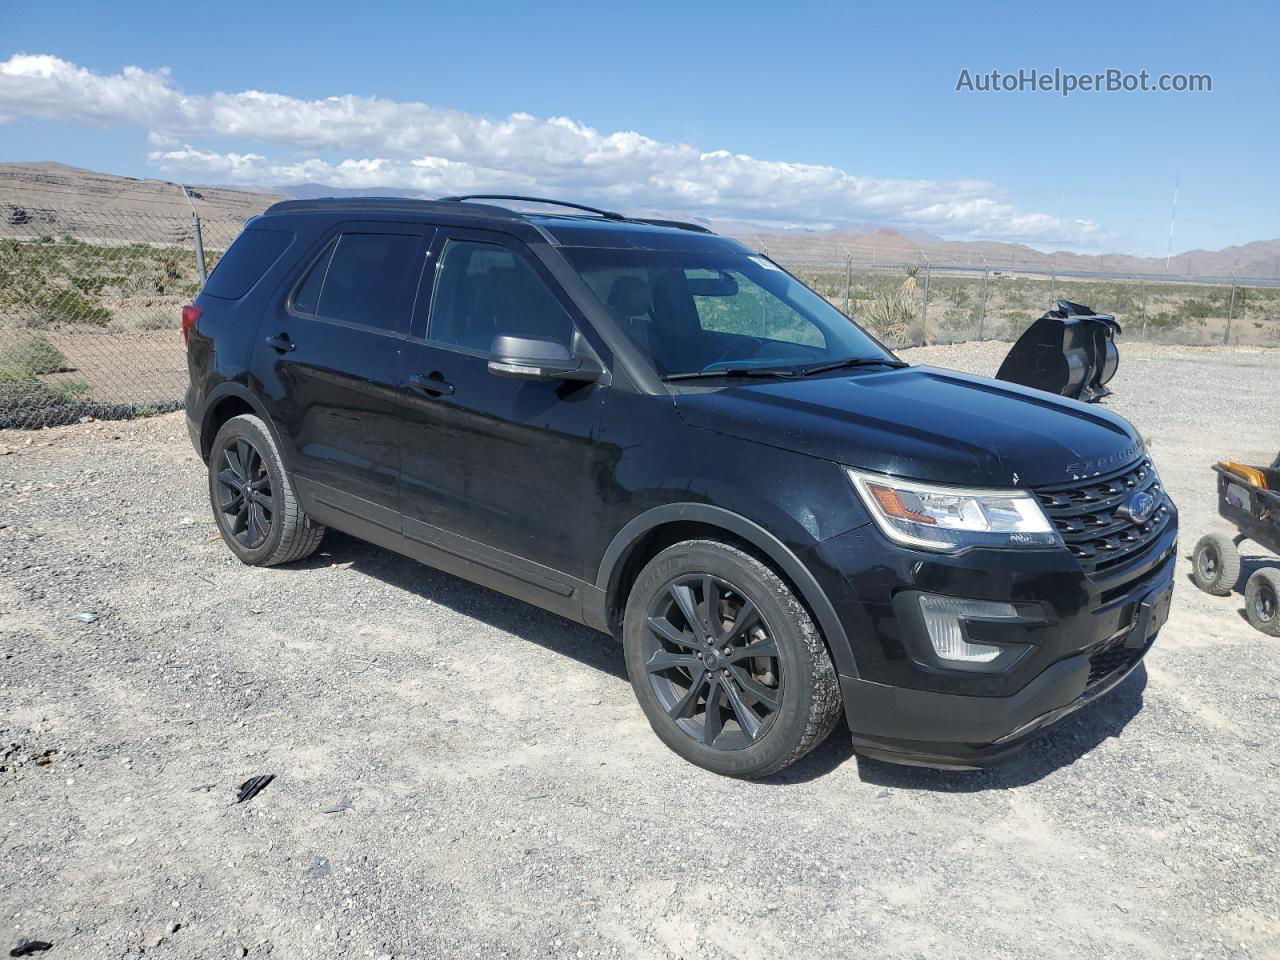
x: 498, y: 475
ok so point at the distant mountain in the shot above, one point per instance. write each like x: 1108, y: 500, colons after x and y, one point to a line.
x: 64, y: 199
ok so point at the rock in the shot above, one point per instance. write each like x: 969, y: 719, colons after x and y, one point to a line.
x: 317, y: 869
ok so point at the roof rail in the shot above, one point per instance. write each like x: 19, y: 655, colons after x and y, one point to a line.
x: 678, y: 224
x: 607, y: 214
x: 390, y: 205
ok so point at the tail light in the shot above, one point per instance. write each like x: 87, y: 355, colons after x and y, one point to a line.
x: 190, y: 317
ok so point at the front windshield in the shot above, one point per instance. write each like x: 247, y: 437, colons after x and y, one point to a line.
x: 694, y: 312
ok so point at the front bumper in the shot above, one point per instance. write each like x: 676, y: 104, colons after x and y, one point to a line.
x: 1081, y: 637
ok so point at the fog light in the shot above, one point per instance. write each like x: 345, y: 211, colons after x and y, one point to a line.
x: 943, y: 616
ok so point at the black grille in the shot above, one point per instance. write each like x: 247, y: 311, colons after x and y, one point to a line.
x: 1110, y: 659
x: 1087, y: 515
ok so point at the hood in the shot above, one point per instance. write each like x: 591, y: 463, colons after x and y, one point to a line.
x: 922, y: 423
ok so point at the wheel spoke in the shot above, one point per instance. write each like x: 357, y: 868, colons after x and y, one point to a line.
x: 259, y: 525
x: 683, y: 597
x: 244, y: 450
x: 747, y: 617
x: 663, y: 660
x: 241, y: 522
x: 231, y: 458
x: 754, y: 691
x: 713, y: 723
x: 229, y: 479
x: 711, y: 604
x: 664, y: 629
x: 746, y: 718
x: 685, y: 706
x: 761, y: 648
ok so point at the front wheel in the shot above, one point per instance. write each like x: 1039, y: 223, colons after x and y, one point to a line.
x: 726, y: 662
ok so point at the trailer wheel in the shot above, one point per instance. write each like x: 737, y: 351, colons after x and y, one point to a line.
x: 1215, y: 565
x: 1260, y: 601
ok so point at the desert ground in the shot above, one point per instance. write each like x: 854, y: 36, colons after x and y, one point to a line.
x: 461, y: 775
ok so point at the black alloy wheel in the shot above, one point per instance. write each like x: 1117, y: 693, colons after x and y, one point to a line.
x: 253, y: 499
x: 244, y: 494
x: 726, y: 662
x: 712, y: 662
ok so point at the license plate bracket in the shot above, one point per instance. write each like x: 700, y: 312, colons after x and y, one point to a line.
x: 1153, y: 611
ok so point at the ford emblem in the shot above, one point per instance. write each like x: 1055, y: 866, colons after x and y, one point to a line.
x: 1139, y: 508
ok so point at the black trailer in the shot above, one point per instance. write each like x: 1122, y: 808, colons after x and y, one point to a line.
x: 1249, y: 498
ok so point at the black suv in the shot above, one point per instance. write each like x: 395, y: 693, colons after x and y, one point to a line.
x: 650, y: 429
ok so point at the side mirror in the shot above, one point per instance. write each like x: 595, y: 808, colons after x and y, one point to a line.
x: 531, y: 358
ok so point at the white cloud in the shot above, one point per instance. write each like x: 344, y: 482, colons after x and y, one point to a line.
x: 415, y: 145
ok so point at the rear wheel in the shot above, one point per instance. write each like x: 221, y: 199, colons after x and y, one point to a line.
x: 726, y: 662
x: 1260, y: 601
x: 1215, y: 564
x: 253, y: 500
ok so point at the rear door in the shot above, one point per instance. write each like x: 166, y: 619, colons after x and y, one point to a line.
x: 328, y: 358
x: 499, y: 478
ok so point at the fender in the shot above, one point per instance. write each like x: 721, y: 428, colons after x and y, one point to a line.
x: 774, y: 549
x: 232, y: 388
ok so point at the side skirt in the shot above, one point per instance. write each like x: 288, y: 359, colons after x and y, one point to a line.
x: 504, y: 572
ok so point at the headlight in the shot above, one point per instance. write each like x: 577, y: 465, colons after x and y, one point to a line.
x: 946, y: 518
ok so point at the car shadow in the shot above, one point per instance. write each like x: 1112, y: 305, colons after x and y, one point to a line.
x: 589, y: 647
x: 1059, y: 747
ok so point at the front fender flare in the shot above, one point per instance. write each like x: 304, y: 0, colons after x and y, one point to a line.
x: 777, y: 552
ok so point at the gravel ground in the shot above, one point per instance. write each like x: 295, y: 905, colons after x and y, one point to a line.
x: 460, y: 775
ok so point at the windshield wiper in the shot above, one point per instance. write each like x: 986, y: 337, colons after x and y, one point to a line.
x: 734, y: 372
x: 852, y: 362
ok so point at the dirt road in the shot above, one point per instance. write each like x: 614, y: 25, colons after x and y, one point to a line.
x: 495, y: 791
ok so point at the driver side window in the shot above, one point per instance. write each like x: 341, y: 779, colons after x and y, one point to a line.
x: 483, y: 290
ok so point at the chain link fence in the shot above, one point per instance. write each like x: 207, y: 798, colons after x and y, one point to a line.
x: 90, y: 312
x: 91, y: 302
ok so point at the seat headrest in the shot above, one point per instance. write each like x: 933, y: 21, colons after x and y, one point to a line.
x: 630, y: 297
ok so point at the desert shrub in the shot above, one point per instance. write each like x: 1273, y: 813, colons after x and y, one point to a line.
x: 159, y: 320
x: 33, y: 356
x: 72, y: 307
x: 1198, y: 309
x: 20, y: 392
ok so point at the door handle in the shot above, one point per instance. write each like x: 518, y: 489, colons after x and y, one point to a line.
x: 282, y: 343
x: 433, y: 386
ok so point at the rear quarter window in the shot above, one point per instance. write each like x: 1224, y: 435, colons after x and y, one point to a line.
x: 252, y: 254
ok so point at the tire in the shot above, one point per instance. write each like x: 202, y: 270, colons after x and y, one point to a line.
x: 273, y: 529
x: 757, y: 611
x: 1215, y: 564
x: 1262, y: 601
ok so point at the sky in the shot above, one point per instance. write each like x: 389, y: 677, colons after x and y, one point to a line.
x: 814, y: 115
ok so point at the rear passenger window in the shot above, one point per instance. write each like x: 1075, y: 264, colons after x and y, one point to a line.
x: 244, y: 264
x: 370, y: 280
x: 307, y: 299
